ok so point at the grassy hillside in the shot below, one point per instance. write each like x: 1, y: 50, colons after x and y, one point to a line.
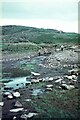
x: 31, y: 38
x: 15, y: 34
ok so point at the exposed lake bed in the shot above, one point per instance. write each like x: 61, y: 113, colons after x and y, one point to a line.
x: 49, y: 89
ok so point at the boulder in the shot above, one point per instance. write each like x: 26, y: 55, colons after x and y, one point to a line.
x: 35, y: 74
x: 51, y: 79
x: 34, y: 81
x: 49, y: 86
x: 69, y: 77
x: 24, y: 116
x: 74, y: 76
x: 16, y: 94
x: 48, y: 89
x: 30, y: 115
x: 40, y: 80
x: 18, y: 104
x: 14, y: 118
x: 58, y: 81
x: 16, y: 110
x: 74, y: 71
x: 10, y: 96
x: 67, y: 87
x: 1, y: 104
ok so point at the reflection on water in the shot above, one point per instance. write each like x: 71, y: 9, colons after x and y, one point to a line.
x: 18, y: 82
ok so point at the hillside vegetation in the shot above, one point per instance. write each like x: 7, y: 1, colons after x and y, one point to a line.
x: 15, y: 34
x: 31, y: 37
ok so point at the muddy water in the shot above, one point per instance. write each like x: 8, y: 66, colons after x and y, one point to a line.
x: 32, y: 64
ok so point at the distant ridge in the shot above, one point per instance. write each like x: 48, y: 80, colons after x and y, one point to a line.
x: 15, y: 34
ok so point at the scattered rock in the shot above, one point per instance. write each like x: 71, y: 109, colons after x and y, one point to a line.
x: 30, y: 115
x: 51, y: 79
x: 74, y: 76
x: 16, y: 110
x: 40, y: 80
x: 48, y: 89
x: 67, y: 87
x: 28, y: 57
x: 24, y: 116
x: 49, y: 86
x: 34, y: 81
x: 35, y: 74
x: 10, y: 96
x: 18, y: 104
x: 45, y: 79
x: 58, y: 81
x: 74, y: 71
x: 63, y: 82
x: 16, y: 94
x: 14, y: 118
x: 69, y: 77
x: 1, y: 104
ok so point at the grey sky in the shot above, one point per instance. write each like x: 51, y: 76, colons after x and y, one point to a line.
x: 56, y: 10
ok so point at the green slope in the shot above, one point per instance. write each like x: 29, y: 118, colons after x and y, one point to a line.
x: 15, y: 34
